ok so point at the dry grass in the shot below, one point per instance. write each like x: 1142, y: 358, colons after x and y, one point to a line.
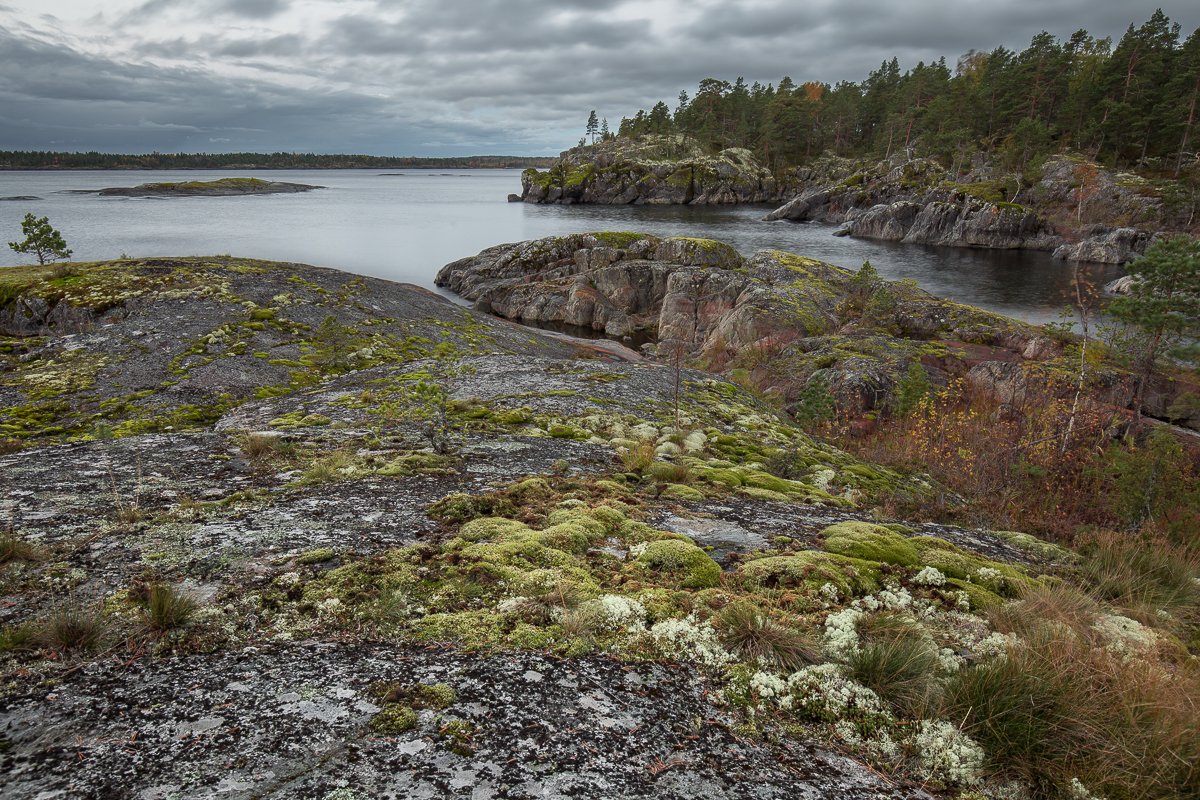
x: 757, y: 638
x: 1143, y: 576
x: 1061, y: 706
x: 638, y: 458
x: 263, y: 449
x: 73, y: 629
x: 13, y: 548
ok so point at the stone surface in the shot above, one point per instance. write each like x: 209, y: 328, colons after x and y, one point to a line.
x: 291, y: 721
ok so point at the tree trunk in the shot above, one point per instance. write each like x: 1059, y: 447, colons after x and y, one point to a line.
x: 1187, y: 129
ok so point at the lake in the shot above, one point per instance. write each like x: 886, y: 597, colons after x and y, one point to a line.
x: 405, y: 224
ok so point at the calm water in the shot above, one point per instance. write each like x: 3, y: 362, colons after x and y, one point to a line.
x: 404, y: 226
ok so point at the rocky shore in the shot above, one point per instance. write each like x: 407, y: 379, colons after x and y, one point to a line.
x: 661, y: 170
x: 912, y: 200
x: 786, y: 321
x: 273, y: 531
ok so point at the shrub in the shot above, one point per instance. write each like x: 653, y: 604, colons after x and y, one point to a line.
x: 912, y: 389
x: 757, y: 638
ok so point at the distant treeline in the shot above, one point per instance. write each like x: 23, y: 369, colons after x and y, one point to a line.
x: 1130, y: 105
x: 33, y: 159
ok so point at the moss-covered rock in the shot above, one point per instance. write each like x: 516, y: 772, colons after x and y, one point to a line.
x: 869, y: 542
x: 682, y: 561
x: 811, y: 570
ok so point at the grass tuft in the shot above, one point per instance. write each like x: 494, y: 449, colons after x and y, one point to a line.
x: 898, y: 661
x: 73, y: 629
x: 13, y: 548
x: 757, y: 638
x: 168, y: 608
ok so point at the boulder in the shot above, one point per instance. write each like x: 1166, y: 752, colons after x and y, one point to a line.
x: 1106, y: 246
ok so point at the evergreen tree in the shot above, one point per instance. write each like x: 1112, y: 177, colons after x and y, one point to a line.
x: 42, y: 240
x: 593, y: 126
x: 1163, y: 302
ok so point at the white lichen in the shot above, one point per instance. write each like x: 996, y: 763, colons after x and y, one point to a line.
x: 930, y: 576
x: 947, y: 755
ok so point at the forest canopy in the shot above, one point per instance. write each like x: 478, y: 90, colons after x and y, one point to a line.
x: 1129, y: 105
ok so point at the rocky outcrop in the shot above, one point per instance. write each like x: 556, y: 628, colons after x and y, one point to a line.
x: 787, y: 321
x: 235, y: 564
x: 914, y: 202
x: 805, y: 317
x: 653, y: 170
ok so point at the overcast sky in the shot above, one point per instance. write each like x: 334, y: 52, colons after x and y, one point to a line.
x: 451, y: 77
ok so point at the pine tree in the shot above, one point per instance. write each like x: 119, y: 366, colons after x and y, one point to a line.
x: 42, y: 240
x: 593, y: 126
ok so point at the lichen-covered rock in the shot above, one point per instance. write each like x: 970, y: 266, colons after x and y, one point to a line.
x: 286, y: 721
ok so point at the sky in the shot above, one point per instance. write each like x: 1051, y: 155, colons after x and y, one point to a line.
x: 451, y: 77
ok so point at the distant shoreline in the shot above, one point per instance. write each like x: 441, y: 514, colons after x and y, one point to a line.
x: 17, y: 160
x: 245, y: 168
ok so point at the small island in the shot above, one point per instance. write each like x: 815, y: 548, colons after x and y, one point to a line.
x: 225, y: 187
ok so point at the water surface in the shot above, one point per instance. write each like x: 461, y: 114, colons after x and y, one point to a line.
x: 404, y: 225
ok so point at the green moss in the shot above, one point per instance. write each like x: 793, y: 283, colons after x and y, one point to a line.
x: 437, y: 696
x: 618, y: 239
x: 471, y: 629
x: 812, y: 570
x: 299, y: 419
x: 1035, y: 546
x: 686, y: 562
x: 870, y: 542
x: 678, y: 491
x: 394, y: 719
x: 316, y: 556
x: 460, y: 736
x: 954, y: 562
x: 490, y: 529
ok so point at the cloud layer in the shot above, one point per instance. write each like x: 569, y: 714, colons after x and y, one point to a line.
x: 439, y: 77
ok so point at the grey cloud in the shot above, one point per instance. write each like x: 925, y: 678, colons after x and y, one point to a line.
x: 431, y: 76
x: 254, y: 9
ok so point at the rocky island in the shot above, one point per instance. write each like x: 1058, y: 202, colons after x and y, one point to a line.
x: 654, y: 170
x: 222, y: 187
x: 270, y: 530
